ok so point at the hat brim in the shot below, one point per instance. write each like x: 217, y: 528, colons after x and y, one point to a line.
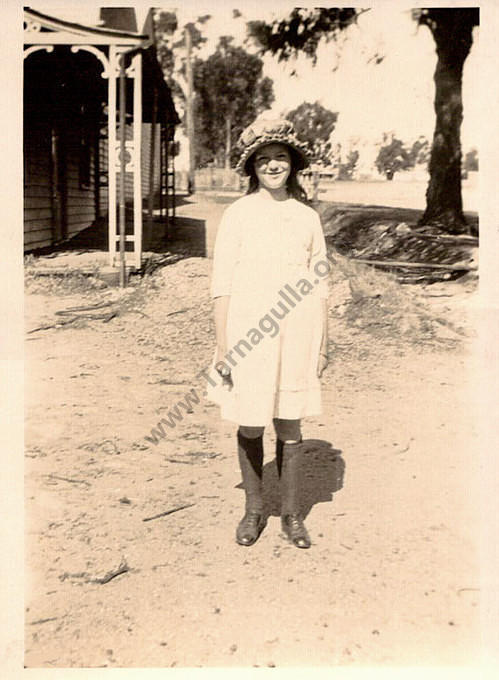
x: 300, y: 155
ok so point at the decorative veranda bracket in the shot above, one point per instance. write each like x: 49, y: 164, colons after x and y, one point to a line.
x: 37, y: 48
x: 31, y: 26
x: 97, y: 53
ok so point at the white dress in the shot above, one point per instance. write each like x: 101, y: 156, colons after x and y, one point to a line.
x: 266, y: 259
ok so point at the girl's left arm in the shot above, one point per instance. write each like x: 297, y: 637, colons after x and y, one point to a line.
x: 325, y: 334
x: 323, y: 353
x: 320, y: 268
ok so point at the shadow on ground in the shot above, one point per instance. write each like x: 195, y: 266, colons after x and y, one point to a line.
x: 323, y: 471
x: 186, y: 237
x: 183, y: 236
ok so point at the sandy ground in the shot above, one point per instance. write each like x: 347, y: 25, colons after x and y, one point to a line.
x: 390, y: 490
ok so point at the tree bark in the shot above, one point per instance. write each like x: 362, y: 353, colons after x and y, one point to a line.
x: 452, y: 32
x: 228, y: 126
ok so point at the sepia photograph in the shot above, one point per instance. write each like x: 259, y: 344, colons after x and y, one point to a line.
x: 252, y: 336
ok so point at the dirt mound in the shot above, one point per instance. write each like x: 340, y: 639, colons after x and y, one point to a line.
x: 391, y: 237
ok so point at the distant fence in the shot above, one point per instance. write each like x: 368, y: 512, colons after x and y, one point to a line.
x: 220, y: 179
x: 209, y: 179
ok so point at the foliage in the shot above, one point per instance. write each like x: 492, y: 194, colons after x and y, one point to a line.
x: 170, y: 41
x: 343, y: 162
x: 302, y: 30
x: 313, y: 125
x: 470, y: 163
x: 395, y: 156
x: 419, y: 154
x: 442, y: 20
x: 392, y: 157
x: 230, y: 93
x: 165, y: 25
x: 346, y: 169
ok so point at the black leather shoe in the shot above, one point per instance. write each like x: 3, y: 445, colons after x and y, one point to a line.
x: 250, y: 528
x: 293, y: 527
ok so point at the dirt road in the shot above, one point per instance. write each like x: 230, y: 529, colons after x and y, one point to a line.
x: 130, y: 544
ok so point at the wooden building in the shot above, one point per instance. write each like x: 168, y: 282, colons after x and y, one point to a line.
x: 72, y: 160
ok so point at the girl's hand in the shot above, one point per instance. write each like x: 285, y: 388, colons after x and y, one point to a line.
x: 322, y: 364
x: 224, y: 370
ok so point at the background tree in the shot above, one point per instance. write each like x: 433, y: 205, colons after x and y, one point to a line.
x: 165, y: 26
x: 170, y: 44
x: 303, y: 29
x: 230, y: 94
x: 452, y: 30
x: 178, y: 71
x: 392, y: 157
x: 471, y: 161
x: 419, y: 153
x: 343, y: 163
x: 314, y: 124
x: 348, y: 166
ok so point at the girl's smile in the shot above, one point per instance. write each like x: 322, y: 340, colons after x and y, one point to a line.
x: 273, y: 166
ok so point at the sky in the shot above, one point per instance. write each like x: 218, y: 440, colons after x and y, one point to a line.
x: 395, y: 95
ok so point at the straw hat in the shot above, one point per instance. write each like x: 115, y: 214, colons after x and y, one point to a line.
x: 262, y: 132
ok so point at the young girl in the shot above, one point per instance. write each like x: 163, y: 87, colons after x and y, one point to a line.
x: 269, y: 286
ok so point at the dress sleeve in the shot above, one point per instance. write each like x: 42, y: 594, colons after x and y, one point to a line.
x: 319, y: 266
x: 225, y: 255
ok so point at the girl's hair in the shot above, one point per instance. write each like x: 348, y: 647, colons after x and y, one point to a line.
x: 295, y: 190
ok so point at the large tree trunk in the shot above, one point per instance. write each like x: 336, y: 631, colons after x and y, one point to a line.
x: 452, y: 31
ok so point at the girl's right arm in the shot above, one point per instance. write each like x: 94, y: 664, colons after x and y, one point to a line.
x: 221, y: 306
x: 225, y: 257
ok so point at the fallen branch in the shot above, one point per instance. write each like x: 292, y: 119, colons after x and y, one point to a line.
x: 464, y: 590
x: 168, y: 512
x: 439, y: 295
x: 122, y: 569
x: 419, y: 265
x: 179, y: 311
x: 464, y: 239
x: 68, y: 479
x: 105, y: 317
x: 86, y: 308
x: 165, y: 381
x: 40, y: 621
x: 88, y: 314
x: 53, y: 325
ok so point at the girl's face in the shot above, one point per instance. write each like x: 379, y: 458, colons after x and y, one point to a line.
x: 272, y: 166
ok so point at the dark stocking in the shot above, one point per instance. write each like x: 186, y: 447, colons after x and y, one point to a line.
x: 250, y: 453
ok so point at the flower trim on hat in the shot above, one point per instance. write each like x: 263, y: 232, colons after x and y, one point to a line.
x: 270, y: 132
